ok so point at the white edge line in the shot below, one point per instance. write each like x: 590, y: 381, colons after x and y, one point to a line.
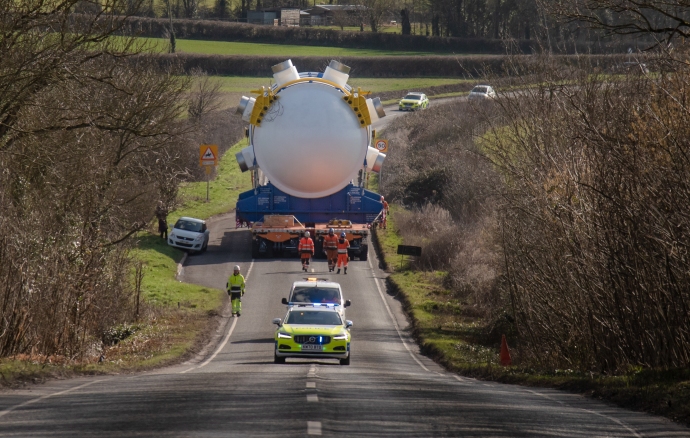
x: 395, y: 323
x: 615, y: 420
x: 227, y: 337
x: 36, y: 400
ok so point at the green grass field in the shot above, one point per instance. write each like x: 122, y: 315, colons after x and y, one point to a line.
x: 238, y: 84
x: 261, y: 49
x: 232, y: 88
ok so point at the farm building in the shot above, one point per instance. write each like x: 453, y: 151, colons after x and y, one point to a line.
x: 275, y: 16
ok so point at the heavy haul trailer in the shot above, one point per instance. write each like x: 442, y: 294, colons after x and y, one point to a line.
x: 278, y: 219
x: 310, y: 148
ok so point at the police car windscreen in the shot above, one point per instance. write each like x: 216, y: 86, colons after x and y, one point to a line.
x: 315, y: 295
x: 314, y: 317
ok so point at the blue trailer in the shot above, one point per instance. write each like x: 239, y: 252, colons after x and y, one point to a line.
x: 279, y: 219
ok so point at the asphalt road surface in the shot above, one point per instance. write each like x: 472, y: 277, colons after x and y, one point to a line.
x: 236, y: 389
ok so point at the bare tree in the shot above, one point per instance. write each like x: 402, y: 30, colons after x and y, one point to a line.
x: 94, y: 135
x: 662, y: 19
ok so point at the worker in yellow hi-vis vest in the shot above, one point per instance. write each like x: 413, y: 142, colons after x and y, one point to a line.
x: 235, y: 288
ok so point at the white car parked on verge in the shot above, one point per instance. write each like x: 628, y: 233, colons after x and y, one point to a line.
x: 189, y: 234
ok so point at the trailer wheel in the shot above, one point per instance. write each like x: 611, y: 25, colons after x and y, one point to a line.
x: 255, y: 248
x: 364, y: 253
x: 318, y: 250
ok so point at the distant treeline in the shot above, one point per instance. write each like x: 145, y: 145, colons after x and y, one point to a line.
x: 390, y: 66
x: 224, y: 31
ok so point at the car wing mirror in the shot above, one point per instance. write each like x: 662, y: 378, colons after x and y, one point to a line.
x: 277, y: 322
x: 348, y: 323
x: 285, y: 301
x: 348, y: 303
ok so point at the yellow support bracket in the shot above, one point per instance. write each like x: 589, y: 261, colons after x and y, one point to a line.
x: 264, y: 100
x: 358, y: 103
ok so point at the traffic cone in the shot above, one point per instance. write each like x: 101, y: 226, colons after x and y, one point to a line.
x: 505, y: 353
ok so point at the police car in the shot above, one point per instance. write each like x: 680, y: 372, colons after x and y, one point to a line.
x: 312, y: 332
x: 317, y: 291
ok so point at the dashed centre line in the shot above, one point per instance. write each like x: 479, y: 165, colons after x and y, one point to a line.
x: 311, y: 384
x: 312, y: 398
x: 313, y: 428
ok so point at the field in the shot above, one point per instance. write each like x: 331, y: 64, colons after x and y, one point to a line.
x: 260, y: 49
x: 232, y: 88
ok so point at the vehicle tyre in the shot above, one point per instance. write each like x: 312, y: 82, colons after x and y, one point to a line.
x: 364, y: 253
x: 205, y: 247
x: 346, y: 361
x: 255, y: 249
x: 277, y: 359
x: 318, y: 250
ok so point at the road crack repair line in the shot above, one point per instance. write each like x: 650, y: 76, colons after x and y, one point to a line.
x: 227, y: 337
x: 55, y: 394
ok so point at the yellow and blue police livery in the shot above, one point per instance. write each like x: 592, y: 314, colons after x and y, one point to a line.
x: 312, y: 331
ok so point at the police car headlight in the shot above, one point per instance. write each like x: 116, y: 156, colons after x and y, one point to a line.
x: 282, y: 335
x: 340, y: 337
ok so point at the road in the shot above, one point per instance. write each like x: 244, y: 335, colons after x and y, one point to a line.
x: 237, y: 390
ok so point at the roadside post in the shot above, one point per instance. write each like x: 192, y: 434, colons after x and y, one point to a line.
x: 407, y: 250
x: 208, y: 156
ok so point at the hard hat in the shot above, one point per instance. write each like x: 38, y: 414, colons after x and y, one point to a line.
x: 306, y: 234
x: 331, y: 231
x: 236, y: 268
x: 343, y: 234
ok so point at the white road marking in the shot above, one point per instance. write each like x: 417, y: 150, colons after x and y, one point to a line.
x: 313, y: 428
x: 615, y: 420
x: 36, y: 400
x: 311, y: 384
x: 312, y: 398
x: 395, y: 323
x: 227, y: 337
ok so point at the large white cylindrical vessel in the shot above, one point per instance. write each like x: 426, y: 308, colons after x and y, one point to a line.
x: 310, y: 143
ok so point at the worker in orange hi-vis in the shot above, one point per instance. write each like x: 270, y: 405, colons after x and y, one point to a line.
x: 330, y: 245
x: 306, y: 250
x: 343, y: 245
x: 384, y: 213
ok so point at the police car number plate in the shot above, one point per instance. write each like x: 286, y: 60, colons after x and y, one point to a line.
x: 312, y: 347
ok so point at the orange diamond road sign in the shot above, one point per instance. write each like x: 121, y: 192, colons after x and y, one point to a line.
x: 208, y: 155
x: 382, y: 145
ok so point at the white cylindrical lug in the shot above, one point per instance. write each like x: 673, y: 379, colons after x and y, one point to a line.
x: 378, y: 106
x: 246, y: 107
x: 285, y: 72
x: 374, y: 159
x: 375, y: 109
x: 337, y: 72
x: 378, y: 163
x: 245, y: 158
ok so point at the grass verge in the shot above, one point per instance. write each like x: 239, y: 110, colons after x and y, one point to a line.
x: 175, y: 318
x: 455, y: 336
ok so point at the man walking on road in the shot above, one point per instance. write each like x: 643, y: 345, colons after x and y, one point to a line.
x: 306, y: 250
x: 235, y: 286
x: 330, y: 245
x: 343, y: 245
